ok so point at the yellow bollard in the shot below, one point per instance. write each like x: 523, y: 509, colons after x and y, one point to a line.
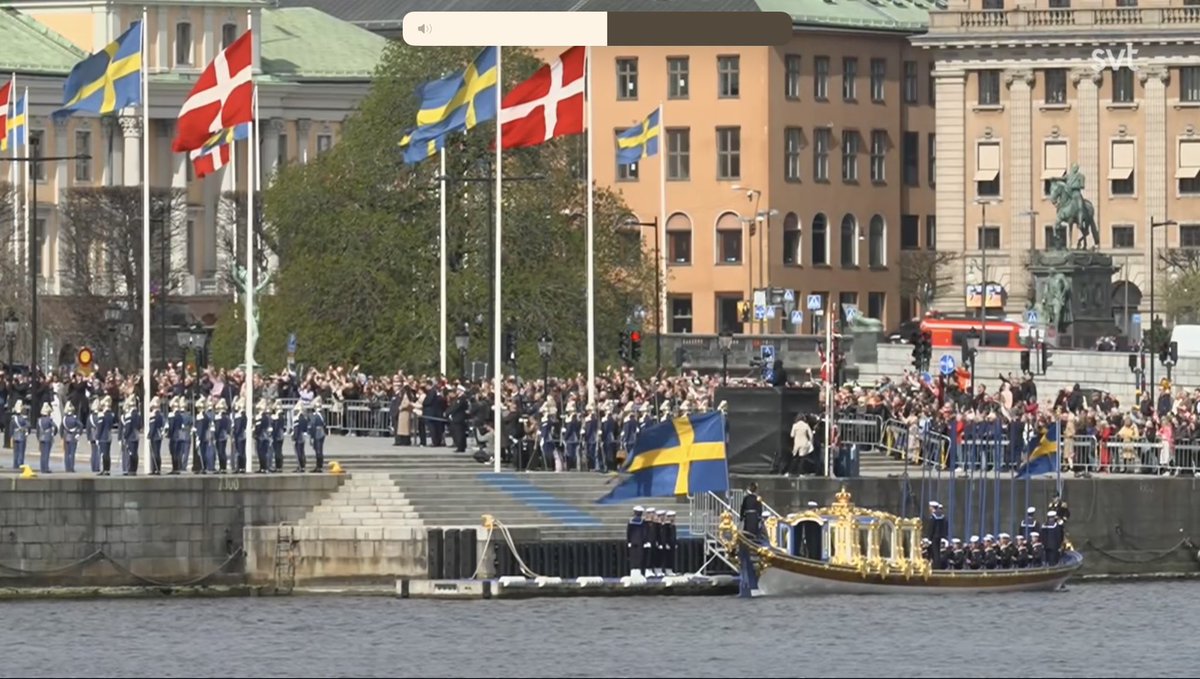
x: 27, y: 472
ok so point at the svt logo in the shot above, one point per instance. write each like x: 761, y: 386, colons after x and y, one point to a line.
x: 1105, y: 58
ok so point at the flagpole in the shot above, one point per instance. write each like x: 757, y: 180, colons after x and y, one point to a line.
x: 497, y: 382
x: 12, y: 172
x: 233, y: 176
x: 249, y: 311
x: 26, y: 229
x: 590, y: 237
x: 662, y: 228
x: 442, y: 259
x: 147, y: 372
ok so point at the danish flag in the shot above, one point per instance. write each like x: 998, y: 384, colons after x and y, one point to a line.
x: 5, y: 94
x: 547, y: 105
x: 223, y: 97
x: 205, y: 163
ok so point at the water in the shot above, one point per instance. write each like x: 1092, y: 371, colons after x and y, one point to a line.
x: 1138, y: 629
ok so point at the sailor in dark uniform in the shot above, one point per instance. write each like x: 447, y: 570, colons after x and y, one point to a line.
x: 1060, y: 509
x: 1021, y: 560
x: 635, y: 538
x: 937, y: 531
x: 991, y: 558
x: 1037, y: 551
x: 959, y: 555
x: 1052, y: 537
x: 1029, y: 524
x: 1006, y: 551
x: 751, y: 512
x: 945, y: 555
x: 975, y: 554
x: 650, y: 565
x: 669, y: 544
x: 157, y: 424
x: 71, y: 430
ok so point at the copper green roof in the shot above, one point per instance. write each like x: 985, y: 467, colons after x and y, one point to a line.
x: 29, y: 47
x: 301, y: 43
x: 906, y: 16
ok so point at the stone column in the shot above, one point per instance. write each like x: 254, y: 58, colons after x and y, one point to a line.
x: 131, y: 131
x: 1021, y: 161
x: 54, y: 229
x: 303, y: 127
x: 114, y: 168
x: 952, y: 152
x: 1154, y: 182
x: 270, y: 150
x: 1087, y: 81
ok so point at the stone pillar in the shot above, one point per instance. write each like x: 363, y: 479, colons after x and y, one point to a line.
x: 114, y: 167
x: 51, y: 255
x: 303, y: 128
x: 1021, y: 161
x: 131, y: 131
x: 952, y: 152
x: 270, y: 150
x: 1088, y: 145
x: 163, y: 58
x: 1154, y: 182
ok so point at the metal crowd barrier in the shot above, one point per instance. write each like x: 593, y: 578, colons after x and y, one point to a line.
x: 863, y: 430
x: 1139, y: 456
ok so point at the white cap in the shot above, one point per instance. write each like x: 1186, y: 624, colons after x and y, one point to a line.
x: 661, y: 512
x: 1051, y: 514
x: 1031, y: 510
x: 989, y: 536
x: 670, y: 513
x: 956, y: 541
x: 650, y: 509
x: 974, y: 538
x: 639, y: 508
x: 924, y: 541
x: 1035, y: 534
x: 933, y: 503
x: 813, y: 503
x: 1005, y: 536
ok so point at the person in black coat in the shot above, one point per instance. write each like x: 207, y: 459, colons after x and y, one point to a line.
x: 457, y: 414
x: 751, y: 512
x: 938, y: 532
x: 1052, y: 537
x: 434, y: 412
x: 635, y: 540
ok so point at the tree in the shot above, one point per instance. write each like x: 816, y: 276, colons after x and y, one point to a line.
x: 232, y: 209
x: 100, y: 250
x: 924, y: 275
x: 356, y: 233
x: 1181, y: 284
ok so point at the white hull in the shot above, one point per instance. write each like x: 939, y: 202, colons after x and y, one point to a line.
x: 778, y: 582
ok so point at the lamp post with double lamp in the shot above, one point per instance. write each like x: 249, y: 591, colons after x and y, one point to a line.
x: 754, y: 195
x: 725, y: 341
x: 1153, y: 265
x: 659, y: 303
x: 112, y: 320
x: 34, y: 161
x: 192, y: 339
x: 11, y: 325
x: 545, y: 346
x: 970, y: 351
x: 983, y: 288
x: 462, y: 341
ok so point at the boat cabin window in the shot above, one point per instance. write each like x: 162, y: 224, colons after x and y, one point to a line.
x: 885, y: 540
x: 808, y: 540
x: 864, y: 542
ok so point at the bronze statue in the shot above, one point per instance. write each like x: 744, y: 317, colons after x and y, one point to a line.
x: 239, y: 279
x: 1073, y: 209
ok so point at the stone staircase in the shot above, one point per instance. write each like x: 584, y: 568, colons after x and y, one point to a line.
x: 366, y: 499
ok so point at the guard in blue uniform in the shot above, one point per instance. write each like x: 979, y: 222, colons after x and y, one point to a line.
x: 316, y: 432
x: 71, y: 431
x: 608, y: 437
x: 670, y: 543
x: 46, y: 431
x: 635, y: 538
x: 646, y: 419
x: 104, y: 433
x: 546, y: 443
x: 262, y: 437
x: 299, y: 428
x: 239, y: 437
x: 572, y: 433
x: 131, y: 434
x: 204, y: 426
x: 157, y: 424
x: 278, y: 434
x: 628, y: 431
x: 222, y: 424
x: 751, y: 512
x: 174, y: 423
x: 183, y: 435
x: 93, y: 428
x: 1029, y: 524
x: 591, y: 436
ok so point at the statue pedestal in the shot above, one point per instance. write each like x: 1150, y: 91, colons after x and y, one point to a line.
x: 1089, y: 276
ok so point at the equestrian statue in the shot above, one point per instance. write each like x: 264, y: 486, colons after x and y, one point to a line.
x: 1073, y: 210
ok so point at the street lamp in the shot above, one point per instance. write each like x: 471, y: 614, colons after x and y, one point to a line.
x: 983, y: 288
x: 725, y: 341
x: 1153, y: 265
x: 112, y: 317
x: 11, y: 325
x: 545, y: 346
x: 462, y: 341
x: 659, y: 304
x: 971, y: 342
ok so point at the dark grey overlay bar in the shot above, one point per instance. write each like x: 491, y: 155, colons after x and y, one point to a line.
x: 698, y: 29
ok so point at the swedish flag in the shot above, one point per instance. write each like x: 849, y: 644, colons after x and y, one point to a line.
x: 415, y: 153
x: 1043, y: 454
x: 459, y: 101
x: 639, y: 140
x: 679, y: 457
x: 226, y: 136
x: 16, y: 128
x: 107, y: 81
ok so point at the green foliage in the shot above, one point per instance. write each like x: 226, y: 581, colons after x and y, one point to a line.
x: 357, y: 237
x: 1181, y: 296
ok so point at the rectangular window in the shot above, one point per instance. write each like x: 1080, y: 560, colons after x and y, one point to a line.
x: 1120, y: 168
x: 1188, y: 165
x: 791, y: 80
x: 878, y: 80
x: 989, y: 238
x: 822, y: 140
x: 37, y: 140
x: 1054, y: 163
x: 729, y: 243
x: 729, y: 152
x: 912, y: 158
x: 987, y: 169
x: 681, y: 314
x: 850, y: 79
x: 679, y: 150
x: 878, y: 156
x: 791, y: 153
x: 228, y: 35
x: 191, y: 244
x: 821, y: 78
x: 930, y: 232
x: 791, y: 244
x: 677, y: 77
x: 679, y: 247
x: 1056, y: 86
x: 932, y: 164
x: 989, y: 87
x: 994, y: 5
x: 910, y: 232
x: 910, y: 82
x: 1122, y: 237
x: 1122, y: 85
x: 627, y: 172
x: 850, y: 156
x: 846, y: 299
x: 324, y: 143
x: 1189, y: 236
x: 729, y: 77
x: 1189, y: 84
x: 627, y: 79
x: 1060, y: 4
x: 727, y: 313
x: 932, y: 87
x: 876, y: 301
x: 282, y: 158
x: 83, y: 147
x: 183, y: 44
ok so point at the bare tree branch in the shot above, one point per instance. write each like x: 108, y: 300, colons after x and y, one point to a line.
x: 924, y: 274
x: 232, y: 242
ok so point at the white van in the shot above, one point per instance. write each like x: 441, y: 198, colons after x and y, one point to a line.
x: 1188, y: 338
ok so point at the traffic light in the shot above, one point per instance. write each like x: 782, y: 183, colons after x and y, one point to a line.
x: 922, y: 350
x: 85, y: 360
x: 623, y: 346
x: 635, y: 345
x: 1169, y: 353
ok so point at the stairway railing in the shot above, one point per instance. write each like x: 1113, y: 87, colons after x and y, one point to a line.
x: 704, y: 520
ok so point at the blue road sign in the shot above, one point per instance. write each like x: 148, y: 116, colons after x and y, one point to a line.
x: 1031, y: 317
x: 797, y: 317
x: 291, y: 343
x: 814, y: 302
x: 1136, y: 319
x: 946, y: 364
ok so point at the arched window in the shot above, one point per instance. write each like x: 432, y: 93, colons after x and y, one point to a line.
x: 729, y: 239
x: 820, y: 240
x: 877, y: 242
x: 679, y: 240
x: 183, y: 44
x: 791, y: 240
x: 228, y: 34
x: 1126, y: 299
x: 849, y: 241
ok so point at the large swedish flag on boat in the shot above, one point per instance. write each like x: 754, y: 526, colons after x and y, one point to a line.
x: 1043, y: 454
x: 679, y: 457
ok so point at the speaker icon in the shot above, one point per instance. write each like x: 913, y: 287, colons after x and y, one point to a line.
x: 425, y: 28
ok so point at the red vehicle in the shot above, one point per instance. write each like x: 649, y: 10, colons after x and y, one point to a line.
x: 949, y: 332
